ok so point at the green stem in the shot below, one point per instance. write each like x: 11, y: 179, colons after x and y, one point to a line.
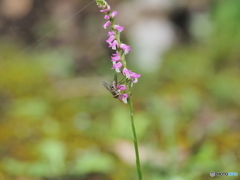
x: 135, y: 139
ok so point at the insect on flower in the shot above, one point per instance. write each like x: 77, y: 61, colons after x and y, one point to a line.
x: 112, y: 87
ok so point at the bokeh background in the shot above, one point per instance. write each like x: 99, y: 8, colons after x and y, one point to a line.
x: 57, y: 121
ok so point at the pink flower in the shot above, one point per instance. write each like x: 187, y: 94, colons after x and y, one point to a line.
x: 126, y: 73
x: 106, y: 10
x: 124, y: 98
x: 117, y: 66
x: 110, y: 39
x: 119, y: 28
x: 111, y: 33
x: 116, y: 57
x: 131, y: 75
x: 107, y: 17
x: 113, y: 45
x: 113, y: 14
x: 106, y: 24
x: 122, y: 87
x: 134, y: 75
x: 125, y: 48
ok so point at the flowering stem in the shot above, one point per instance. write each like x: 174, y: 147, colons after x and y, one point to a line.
x: 135, y: 139
x: 120, y: 66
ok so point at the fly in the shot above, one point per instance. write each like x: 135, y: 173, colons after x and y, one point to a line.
x: 112, y: 87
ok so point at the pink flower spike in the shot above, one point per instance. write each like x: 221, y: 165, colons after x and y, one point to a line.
x: 117, y: 66
x: 122, y: 87
x: 111, y: 33
x: 107, y: 17
x: 113, y: 14
x: 114, y: 45
x: 106, y: 24
x: 106, y: 10
x: 125, y: 48
x: 119, y: 28
x: 110, y: 39
x: 124, y: 98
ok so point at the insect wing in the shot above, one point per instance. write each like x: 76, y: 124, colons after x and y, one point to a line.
x: 114, y: 83
x: 107, y: 85
x: 112, y: 87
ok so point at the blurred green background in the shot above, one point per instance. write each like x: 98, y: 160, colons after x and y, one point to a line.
x: 58, y: 122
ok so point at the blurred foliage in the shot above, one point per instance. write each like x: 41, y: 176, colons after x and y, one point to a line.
x: 56, y: 124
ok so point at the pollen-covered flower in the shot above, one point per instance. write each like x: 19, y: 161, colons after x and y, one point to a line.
x: 113, y: 45
x: 117, y: 66
x: 124, y: 98
x: 119, y: 28
x: 125, y: 48
x: 106, y: 24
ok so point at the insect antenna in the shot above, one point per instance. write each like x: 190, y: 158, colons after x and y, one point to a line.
x: 122, y: 80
